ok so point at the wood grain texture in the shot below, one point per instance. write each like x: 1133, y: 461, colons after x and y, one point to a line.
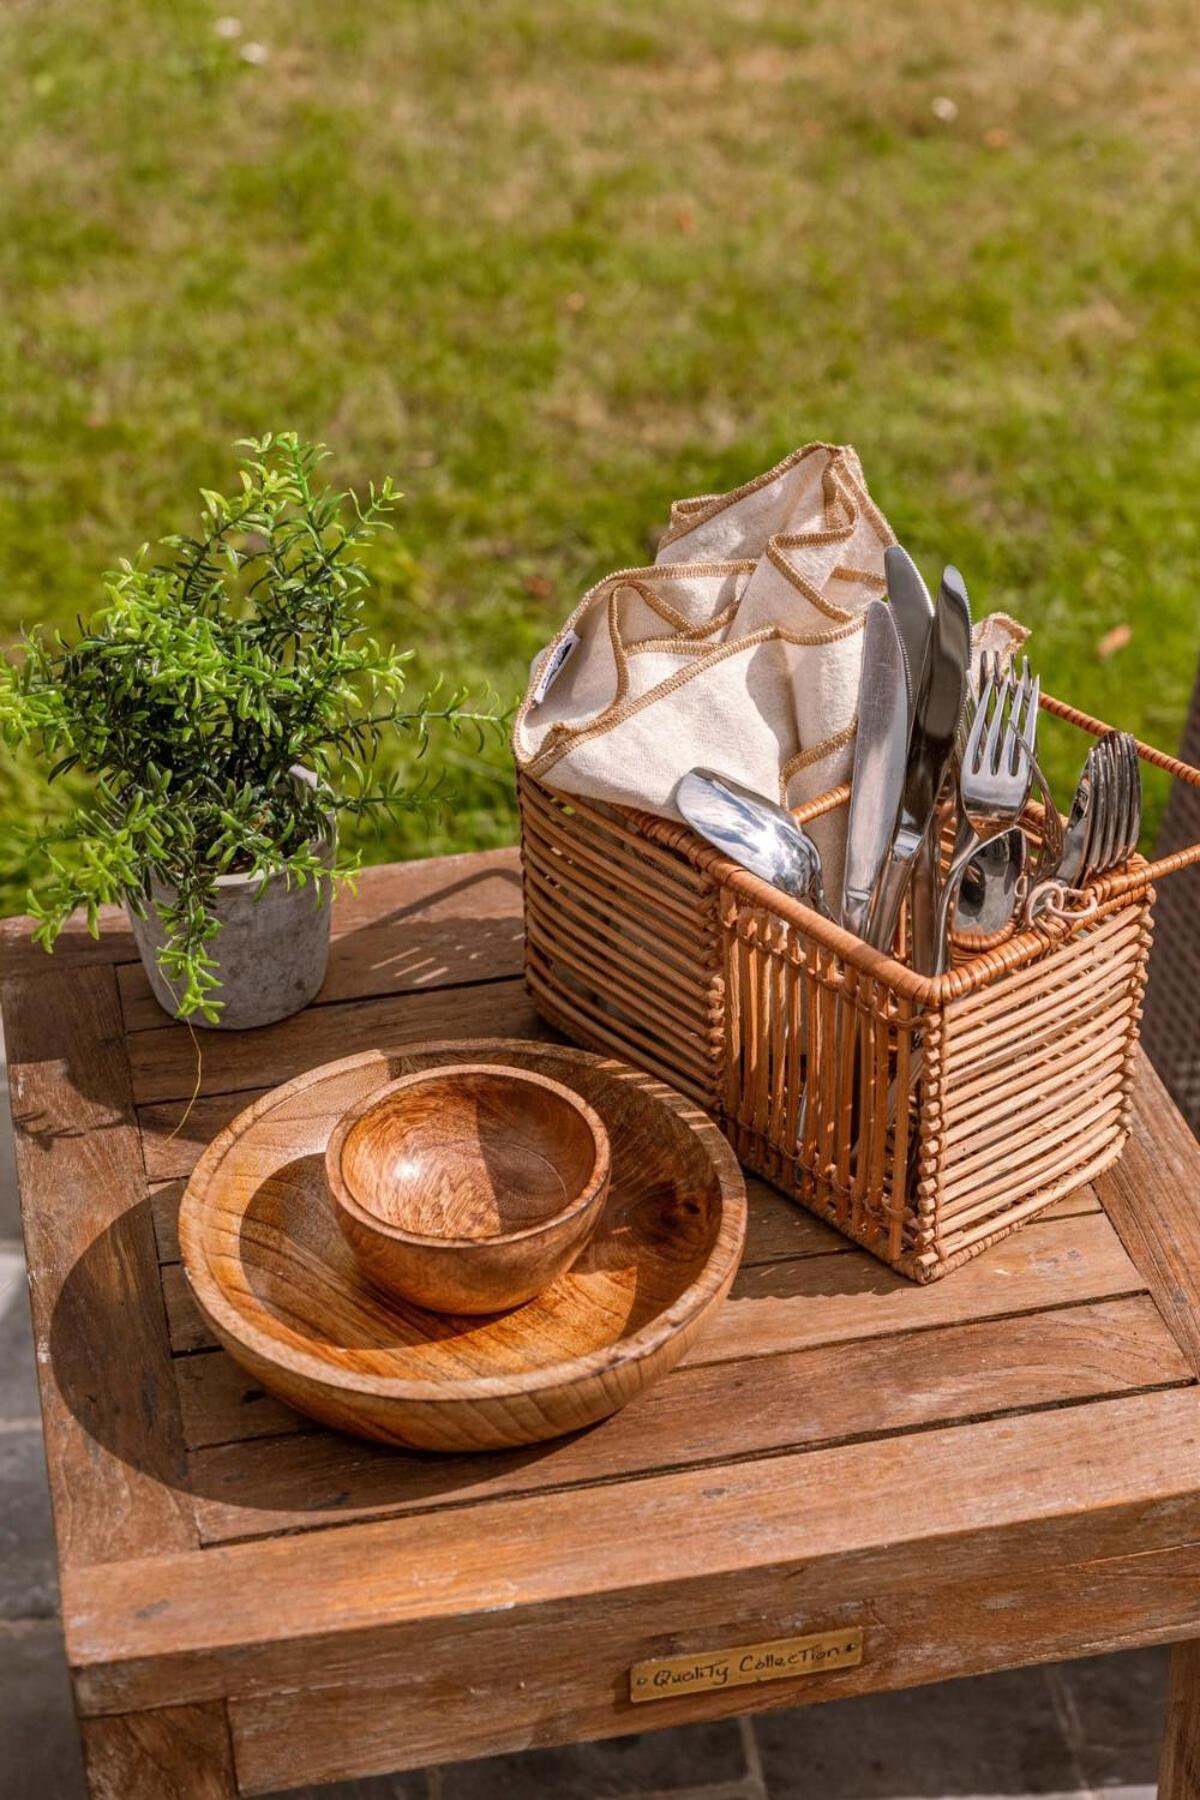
x: 279, y: 1286
x: 654, y: 1561
x: 163, y: 1063
x: 187, y: 1328
x: 469, y: 1189
x: 109, y: 1405
x: 176, y: 1753
x: 222, y: 1405
x: 564, y: 1682
x: 441, y: 922
x: 1150, y: 1195
x: 76, y: 948
x: 175, y: 1136
x: 796, y: 1304
x: 774, y: 1228
x: 299, y: 1478
x: 164, y: 1213
x: 212, y: 1386
x: 173, y: 1149
x: 1179, y: 1769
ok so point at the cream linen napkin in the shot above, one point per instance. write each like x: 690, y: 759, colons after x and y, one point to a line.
x: 739, y: 649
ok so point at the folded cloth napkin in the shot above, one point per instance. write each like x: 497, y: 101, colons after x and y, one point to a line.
x: 738, y: 650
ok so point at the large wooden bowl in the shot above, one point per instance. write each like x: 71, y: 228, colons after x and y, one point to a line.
x: 281, y: 1289
x: 470, y: 1188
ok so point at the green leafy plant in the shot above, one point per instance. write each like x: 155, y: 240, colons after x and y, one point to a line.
x: 208, y: 676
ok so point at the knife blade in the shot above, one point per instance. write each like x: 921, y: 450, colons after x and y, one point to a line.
x: 939, y: 705
x: 880, y: 750
x: 912, y: 610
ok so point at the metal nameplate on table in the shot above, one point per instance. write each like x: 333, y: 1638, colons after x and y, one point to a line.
x: 745, y: 1664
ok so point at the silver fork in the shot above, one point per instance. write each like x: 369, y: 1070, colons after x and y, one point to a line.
x: 1117, y: 811
x: 994, y: 780
x: 1104, y: 826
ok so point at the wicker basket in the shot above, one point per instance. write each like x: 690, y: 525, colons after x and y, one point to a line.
x: 804, y: 1042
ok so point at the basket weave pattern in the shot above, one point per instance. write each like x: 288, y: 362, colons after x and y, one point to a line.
x: 924, y: 1117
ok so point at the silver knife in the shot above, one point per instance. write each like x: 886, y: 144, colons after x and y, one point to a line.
x: 938, y: 709
x: 912, y: 610
x: 880, y: 751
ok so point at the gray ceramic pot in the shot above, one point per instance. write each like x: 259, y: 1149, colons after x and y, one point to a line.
x: 270, y: 952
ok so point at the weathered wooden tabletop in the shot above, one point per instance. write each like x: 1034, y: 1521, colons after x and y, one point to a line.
x: 996, y: 1469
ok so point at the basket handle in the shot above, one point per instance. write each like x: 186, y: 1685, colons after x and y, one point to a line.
x: 1109, y: 887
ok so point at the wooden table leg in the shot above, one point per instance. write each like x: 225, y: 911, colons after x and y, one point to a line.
x: 1179, y: 1771
x: 173, y: 1753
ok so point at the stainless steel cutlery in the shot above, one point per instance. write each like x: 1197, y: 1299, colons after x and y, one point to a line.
x: 912, y: 612
x: 755, y: 832
x: 994, y: 779
x: 1103, y: 825
x: 880, y: 750
x: 990, y: 888
x: 931, y: 756
x: 937, y: 710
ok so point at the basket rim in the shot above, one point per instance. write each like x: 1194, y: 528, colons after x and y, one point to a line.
x: 928, y: 992
x: 1133, y: 882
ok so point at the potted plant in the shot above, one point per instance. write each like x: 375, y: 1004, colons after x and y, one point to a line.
x: 227, y: 703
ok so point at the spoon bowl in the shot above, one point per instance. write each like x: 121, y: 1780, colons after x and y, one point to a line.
x: 756, y: 832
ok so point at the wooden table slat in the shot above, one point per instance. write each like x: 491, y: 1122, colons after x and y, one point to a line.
x: 1151, y: 1196
x: 221, y: 1403
x: 163, y: 1063
x: 706, y: 1414
x: 171, y: 1753
x: 563, y: 1678
x: 110, y: 1409
x: 76, y: 948
x: 447, y: 922
x: 253, y: 1617
x: 776, y: 1226
x: 802, y: 1301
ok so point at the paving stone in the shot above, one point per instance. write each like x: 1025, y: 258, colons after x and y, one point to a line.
x: 28, y: 1577
x: 1112, y: 1712
x: 18, y: 1378
x: 983, y: 1736
x: 687, y: 1759
x: 39, y: 1742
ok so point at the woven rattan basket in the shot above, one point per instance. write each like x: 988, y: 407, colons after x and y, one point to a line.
x: 1015, y: 1066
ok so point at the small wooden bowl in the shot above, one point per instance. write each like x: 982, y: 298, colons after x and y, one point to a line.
x: 468, y: 1188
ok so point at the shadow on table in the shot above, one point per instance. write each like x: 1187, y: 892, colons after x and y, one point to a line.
x: 121, y: 1392
x: 284, y: 1464
x: 398, y: 952
x: 465, y: 948
x: 401, y: 954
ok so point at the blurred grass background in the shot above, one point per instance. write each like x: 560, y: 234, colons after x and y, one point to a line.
x: 552, y: 263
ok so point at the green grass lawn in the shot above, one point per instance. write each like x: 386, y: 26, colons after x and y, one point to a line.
x: 552, y: 263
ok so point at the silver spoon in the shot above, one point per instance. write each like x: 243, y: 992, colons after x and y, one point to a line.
x: 988, y: 895
x: 1079, y: 821
x: 755, y: 832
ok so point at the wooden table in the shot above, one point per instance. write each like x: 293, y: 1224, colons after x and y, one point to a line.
x: 998, y: 1469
